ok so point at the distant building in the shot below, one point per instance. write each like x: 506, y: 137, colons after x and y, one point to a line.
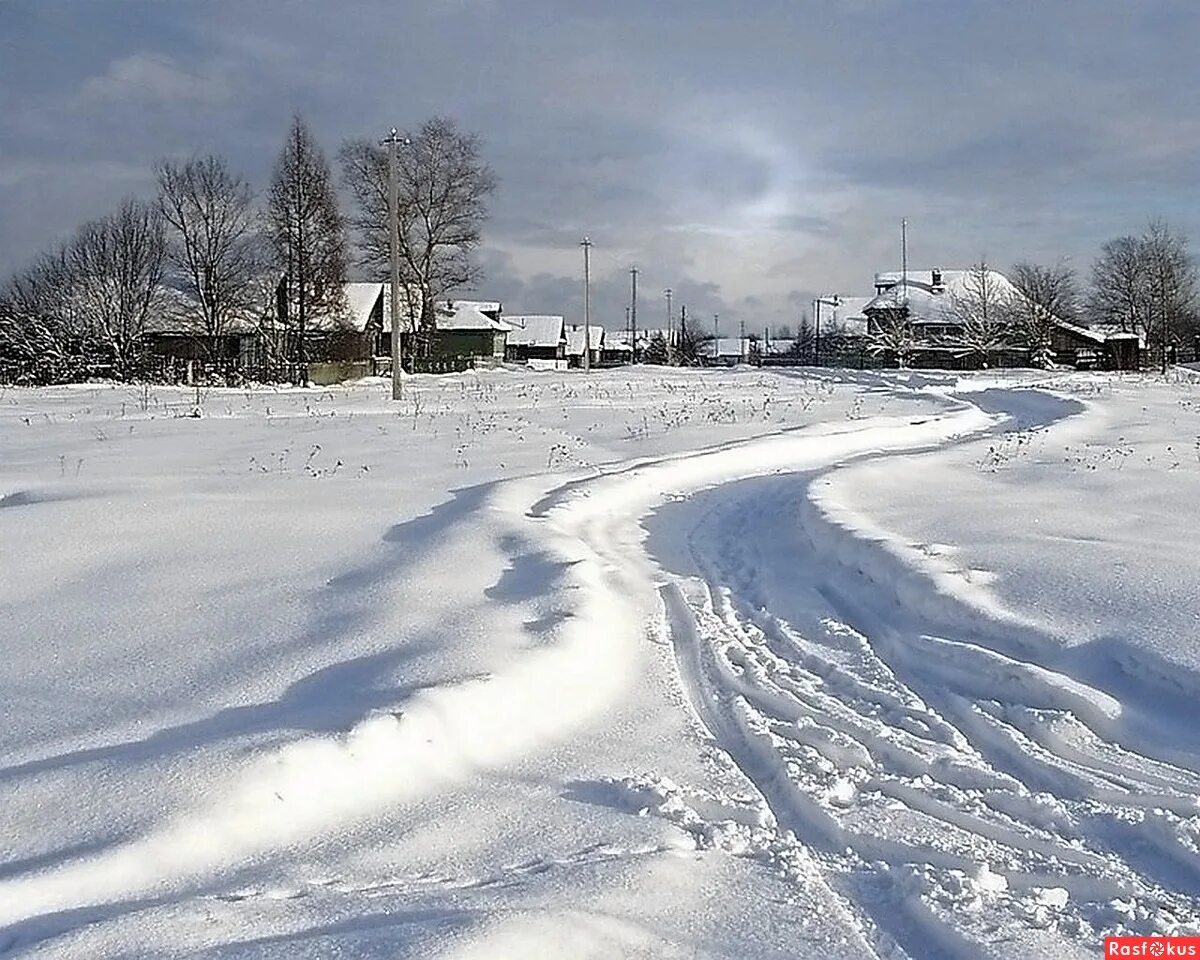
x: 177, y: 332
x: 1096, y: 347
x: 727, y: 351
x: 538, y: 340
x: 617, y: 350
x: 575, y: 345
x: 469, y: 329
x: 927, y: 299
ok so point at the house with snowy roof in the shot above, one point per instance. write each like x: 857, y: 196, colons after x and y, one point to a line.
x: 927, y: 299
x: 536, y: 339
x: 728, y: 351
x: 468, y: 329
x: 176, y: 329
x: 618, y: 348
x: 595, y: 343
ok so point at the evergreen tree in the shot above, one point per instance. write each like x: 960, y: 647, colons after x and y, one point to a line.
x: 655, y: 350
x: 307, y: 233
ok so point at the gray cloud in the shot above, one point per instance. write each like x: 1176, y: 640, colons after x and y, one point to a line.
x: 745, y: 160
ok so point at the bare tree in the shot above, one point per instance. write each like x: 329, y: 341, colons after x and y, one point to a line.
x: 1047, y: 294
x: 42, y: 326
x: 1171, y: 284
x: 892, y: 334
x: 443, y: 190
x: 687, y: 343
x: 307, y: 233
x: 116, y: 268
x: 982, y: 308
x: 1146, y: 285
x: 215, y: 245
x: 1120, y: 294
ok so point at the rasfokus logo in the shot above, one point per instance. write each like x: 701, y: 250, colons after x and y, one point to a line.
x: 1154, y: 947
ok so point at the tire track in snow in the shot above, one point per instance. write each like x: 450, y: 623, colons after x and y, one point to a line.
x: 895, y: 751
x: 443, y: 735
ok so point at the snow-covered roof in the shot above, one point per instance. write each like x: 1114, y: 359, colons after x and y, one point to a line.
x: 926, y: 302
x: 361, y: 299
x: 575, y: 339
x: 535, y: 330
x: 1113, y: 331
x: 179, y: 314
x: 470, y: 315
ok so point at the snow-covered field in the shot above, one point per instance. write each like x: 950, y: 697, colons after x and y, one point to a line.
x: 644, y: 663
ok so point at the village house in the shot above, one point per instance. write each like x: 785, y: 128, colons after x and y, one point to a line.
x: 465, y: 331
x: 575, y: 345
x: 469, y: 329
x: 176, y: 332
x: 927, y: 298
x: 617, y: 350
x: 728, y: 351
x: 1096, y: 348
x: 537, y: 340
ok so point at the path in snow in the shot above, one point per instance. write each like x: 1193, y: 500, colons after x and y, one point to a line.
x: 915, y: 758
x: 947, y: 777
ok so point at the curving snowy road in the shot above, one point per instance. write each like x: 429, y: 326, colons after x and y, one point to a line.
x: 676, y: 704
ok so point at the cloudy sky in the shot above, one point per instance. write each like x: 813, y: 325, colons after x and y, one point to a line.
x: 745, y: 159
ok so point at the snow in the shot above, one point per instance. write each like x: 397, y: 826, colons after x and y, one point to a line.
x: 534, y: 331
x: 470, y: 315
x: 361, y: 299
x: 729, y: 347
x: 717, y: 663
x: 575, y: 339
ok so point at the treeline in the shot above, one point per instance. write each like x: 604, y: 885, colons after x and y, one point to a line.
x: 209, y: 252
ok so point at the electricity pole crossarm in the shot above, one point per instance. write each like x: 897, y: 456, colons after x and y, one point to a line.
x: 392, y: 142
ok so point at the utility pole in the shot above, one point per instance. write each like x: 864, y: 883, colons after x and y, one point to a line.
x: 741, y: 341
x: 904, y: 261
x: 670, y: 327
x: 633, y: 272
x: 683, y: 326
x: 716, y: 339
x: 587, y: 302
x: 817, y: 335
x: 392, y: 142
